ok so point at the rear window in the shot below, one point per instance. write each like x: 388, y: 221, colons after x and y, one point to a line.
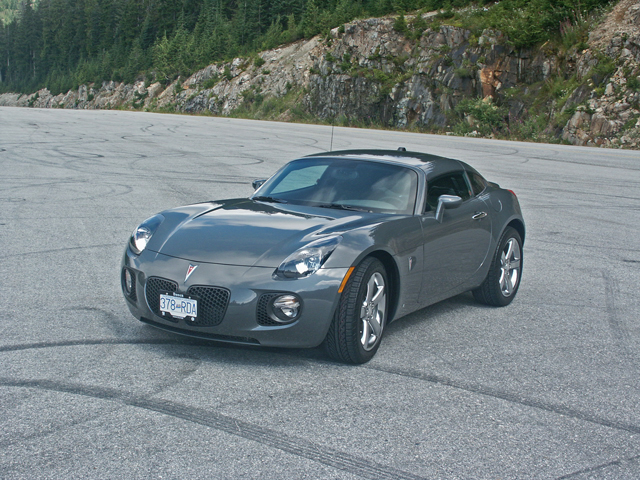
x: 478, y: 184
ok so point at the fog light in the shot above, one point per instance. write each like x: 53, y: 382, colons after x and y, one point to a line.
x: 286, y: 308
x: 128, y: 281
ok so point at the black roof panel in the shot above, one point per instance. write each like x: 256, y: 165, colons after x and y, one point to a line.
x: 424, y: 161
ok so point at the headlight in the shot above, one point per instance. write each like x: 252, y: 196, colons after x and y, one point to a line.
x: 141, y: 235
x: 308, y: 259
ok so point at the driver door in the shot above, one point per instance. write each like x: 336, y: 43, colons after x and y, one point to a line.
x: 455, y: 248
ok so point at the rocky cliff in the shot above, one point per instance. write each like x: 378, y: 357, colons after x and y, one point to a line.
x: 445, y: 79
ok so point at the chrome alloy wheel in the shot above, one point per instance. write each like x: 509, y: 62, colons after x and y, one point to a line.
x: 372, y: 312
x: 355, y: 332
x: 510, y: 267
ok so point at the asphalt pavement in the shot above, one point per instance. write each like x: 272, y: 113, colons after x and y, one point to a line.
x: 547, y: 387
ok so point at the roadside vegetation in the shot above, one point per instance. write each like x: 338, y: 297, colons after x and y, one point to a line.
x: 535, y: 112
x: 61, y: 44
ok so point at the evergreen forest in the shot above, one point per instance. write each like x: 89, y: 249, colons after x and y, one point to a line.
x: 8, y: 10
x: 60, y: 44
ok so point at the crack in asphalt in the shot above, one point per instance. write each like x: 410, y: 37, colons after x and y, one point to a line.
x: 266, y: 436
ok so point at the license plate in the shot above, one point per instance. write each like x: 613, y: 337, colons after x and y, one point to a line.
x: 178, y: 306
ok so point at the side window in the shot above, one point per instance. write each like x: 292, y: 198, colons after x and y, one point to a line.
x: 449, y: 184
x: 478, y: 184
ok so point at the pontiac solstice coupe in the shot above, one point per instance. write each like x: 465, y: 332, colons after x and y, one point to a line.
x: 330, y: 249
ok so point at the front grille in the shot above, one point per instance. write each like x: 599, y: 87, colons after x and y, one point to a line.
x: 156, y: 285
x: 212, y: 301
x: 212, y: 304
x: 262, y: 313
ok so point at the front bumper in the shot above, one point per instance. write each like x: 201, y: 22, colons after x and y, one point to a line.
x: 248, y: 288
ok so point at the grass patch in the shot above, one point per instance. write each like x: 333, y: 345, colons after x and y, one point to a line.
x: 287, y: 107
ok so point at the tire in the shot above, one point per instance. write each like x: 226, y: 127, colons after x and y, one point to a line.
x: 503, y: 279
x: 356, y: 330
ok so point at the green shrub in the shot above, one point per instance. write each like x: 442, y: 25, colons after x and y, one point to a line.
x: 464, y: 72
x: 633, y: 84
x: 488, y: 117
x: 446, y: 13
x: 605, y: 67
x: 251, y: 96
x: 419, y: 25
x: 210, y: 82
x: 380, y: 76
x: 528, y: 129
x: 345, y: 66
x: 400, y: 24
x: 629, y: 124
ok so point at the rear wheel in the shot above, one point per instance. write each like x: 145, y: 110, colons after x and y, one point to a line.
x: 356, y: 330
x: 503, y: 279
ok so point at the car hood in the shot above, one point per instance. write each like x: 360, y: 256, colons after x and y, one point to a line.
x: 248, y: 233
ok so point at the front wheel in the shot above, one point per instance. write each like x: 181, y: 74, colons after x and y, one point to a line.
x: 356, y: 330
x: 503, y: 279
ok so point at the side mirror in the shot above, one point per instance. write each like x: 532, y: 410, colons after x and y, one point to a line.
x: 256, y: 184
x: 446, y: 201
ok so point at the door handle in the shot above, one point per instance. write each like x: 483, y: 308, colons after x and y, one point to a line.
x: 479, y: 215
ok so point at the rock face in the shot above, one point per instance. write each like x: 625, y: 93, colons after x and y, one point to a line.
x: 366, y: 72
x: 428, y: 79
x: 611, y: 115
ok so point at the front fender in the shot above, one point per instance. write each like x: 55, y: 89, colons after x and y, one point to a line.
x: 398, y: 244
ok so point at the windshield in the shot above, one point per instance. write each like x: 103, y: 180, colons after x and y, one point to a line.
x: 344, y: 184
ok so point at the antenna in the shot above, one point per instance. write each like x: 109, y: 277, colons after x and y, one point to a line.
x: 331, y: 147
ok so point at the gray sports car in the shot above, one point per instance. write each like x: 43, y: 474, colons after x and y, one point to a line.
x: 331, y: 248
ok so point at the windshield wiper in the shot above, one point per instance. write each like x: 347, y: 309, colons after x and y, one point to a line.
x: 340, y: 206
x: 269, y: 199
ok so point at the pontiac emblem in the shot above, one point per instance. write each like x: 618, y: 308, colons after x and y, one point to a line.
x: 190, y: 271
